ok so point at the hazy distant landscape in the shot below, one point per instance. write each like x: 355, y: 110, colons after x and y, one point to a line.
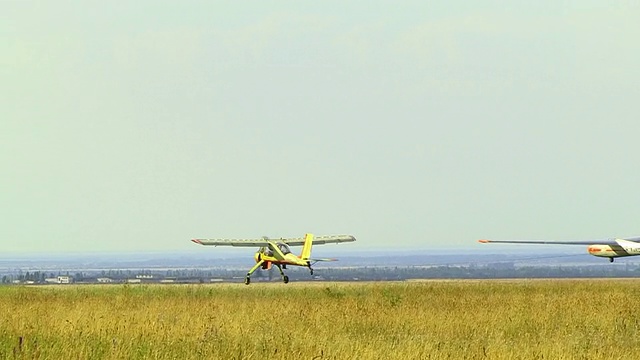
x: 204, y: 267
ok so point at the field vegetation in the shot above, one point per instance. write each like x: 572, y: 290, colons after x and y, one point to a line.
x: 489, y: 319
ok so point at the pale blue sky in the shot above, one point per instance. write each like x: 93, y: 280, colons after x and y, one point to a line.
x: 137, y: 125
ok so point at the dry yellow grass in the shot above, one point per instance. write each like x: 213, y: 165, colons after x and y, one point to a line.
x: 561, y: 319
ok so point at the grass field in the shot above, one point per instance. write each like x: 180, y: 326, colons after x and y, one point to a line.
x: 516, y: 319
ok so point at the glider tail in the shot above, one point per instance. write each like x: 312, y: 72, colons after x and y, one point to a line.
x: 306, y: 248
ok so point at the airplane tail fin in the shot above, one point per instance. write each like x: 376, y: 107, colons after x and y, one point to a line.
x: 306, y: 248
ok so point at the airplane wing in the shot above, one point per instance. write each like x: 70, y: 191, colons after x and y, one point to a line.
x: 318, y: 240
x: 316, y: 260
x: 547, y: 242
x: 232, y: 242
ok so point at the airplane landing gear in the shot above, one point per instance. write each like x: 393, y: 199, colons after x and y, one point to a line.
x: 311, y: 271
x: 285, y: 278
x: 247, y: 279
x: 610, y: 259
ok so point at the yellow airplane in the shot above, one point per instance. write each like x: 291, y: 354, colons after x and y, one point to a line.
x: 277, y: 252
x: 609, y: 248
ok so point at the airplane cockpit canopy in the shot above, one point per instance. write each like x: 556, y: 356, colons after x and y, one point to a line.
x: 284, y: 248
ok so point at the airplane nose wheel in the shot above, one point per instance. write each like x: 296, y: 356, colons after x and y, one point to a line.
x: 285, y: 279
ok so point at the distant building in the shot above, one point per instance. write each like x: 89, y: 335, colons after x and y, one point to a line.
x: 104, y: 280
x: 134, y: 281
x: 64, y: 279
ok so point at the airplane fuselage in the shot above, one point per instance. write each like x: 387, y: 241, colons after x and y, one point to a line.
x: 621, y: 249
x: 278, y: 253
x: 289, y: 259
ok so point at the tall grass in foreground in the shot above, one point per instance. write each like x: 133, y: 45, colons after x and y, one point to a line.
x: 585, y: 319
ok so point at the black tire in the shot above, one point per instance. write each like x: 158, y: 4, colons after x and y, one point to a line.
x: 285, y: 279
x: 247, y: 280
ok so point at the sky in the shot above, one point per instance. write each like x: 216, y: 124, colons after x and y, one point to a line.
x: 137, y: 125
